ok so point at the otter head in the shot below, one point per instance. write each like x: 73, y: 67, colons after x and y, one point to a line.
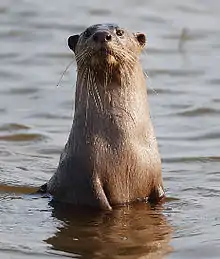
x: 106, y: 45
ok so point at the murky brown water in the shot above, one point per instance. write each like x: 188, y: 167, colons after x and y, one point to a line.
x: 182, y: 61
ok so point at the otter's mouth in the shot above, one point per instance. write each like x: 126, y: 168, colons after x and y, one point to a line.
x: 103, y: 51
x: 103, y: 55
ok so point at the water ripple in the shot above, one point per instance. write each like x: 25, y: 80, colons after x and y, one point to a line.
x: 203, y: 191
x: 175, y: 73
x: 192, y: 159
x: 17, y: 189
x: 99, y: 12
x: 23, y: 137
x: 50, y: 116
x: 13, y: 126
x: 22, y: 91
x: 199, y: 112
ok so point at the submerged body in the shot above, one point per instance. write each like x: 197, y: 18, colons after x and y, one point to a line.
x: 111, y: 156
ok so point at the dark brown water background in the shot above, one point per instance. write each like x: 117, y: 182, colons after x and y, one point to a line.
x: 182, y: 61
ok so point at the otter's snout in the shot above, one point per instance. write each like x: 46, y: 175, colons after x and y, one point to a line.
x: 102, y: 36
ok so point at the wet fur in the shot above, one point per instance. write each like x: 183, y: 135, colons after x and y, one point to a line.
x: 111, y: 156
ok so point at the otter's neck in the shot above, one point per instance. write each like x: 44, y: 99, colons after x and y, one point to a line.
x: 120, y: 99
x: 93, y: 85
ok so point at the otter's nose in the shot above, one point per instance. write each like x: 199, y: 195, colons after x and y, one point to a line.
x: 102, y: 36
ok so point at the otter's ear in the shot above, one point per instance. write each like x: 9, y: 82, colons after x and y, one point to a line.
x: 141, y: 38
x: 72, y: 41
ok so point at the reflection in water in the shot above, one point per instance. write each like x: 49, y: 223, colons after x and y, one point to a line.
x: 137, y: 231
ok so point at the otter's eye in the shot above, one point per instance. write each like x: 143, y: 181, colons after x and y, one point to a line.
x: 119, y: 32
x: 87, y: 34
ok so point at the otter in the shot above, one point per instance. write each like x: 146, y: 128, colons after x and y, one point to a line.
x: 111, y: 156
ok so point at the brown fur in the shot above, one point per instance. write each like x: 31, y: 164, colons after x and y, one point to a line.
x: 111, y: 156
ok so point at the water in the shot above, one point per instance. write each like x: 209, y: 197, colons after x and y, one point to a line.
x: 182, y: 62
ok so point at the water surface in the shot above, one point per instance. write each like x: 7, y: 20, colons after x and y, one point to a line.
x: 182, y: 62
